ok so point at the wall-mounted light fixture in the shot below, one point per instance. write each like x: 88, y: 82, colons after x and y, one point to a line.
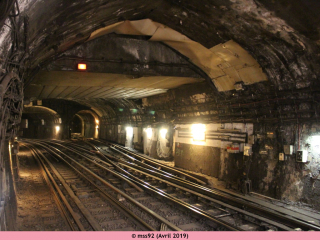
x: 163, y: 133
x: 149, y: 133
x: 316, y: 139
x: 82, y: 66
x: 198, y: 132
x: 57, y: 129
x: 315, y: 142
x: 129, y: 131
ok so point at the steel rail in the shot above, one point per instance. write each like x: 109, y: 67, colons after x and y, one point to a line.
x: 114, y: 202
x: 85, y: 152
x: 161, y: 219
x: 93, y: 223
x: 168, y: 197
x: 178, y: 201
x: 290, y: 221
x: 163, y: 166
x: 262, y: 219
x: 103, y: 167
x: 55, y: 192
x: 154, y: 173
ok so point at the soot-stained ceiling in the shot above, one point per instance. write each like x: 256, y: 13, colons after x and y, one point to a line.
x: 117, y: 67
x: 282, y: 36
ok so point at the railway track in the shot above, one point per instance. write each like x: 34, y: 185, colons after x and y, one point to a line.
x: 283, y: 218
x: 181, y: 201
x: 88, y: 205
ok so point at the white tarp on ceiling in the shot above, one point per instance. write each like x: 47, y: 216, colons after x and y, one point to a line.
x: 225, y: 63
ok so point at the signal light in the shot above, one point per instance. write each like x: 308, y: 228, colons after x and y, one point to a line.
x: 82, y: 66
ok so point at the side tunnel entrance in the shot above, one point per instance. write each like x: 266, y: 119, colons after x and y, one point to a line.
x: 40, y: 123
x: 85, y: 123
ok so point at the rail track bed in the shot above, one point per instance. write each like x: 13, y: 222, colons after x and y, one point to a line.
x: 112, y: 188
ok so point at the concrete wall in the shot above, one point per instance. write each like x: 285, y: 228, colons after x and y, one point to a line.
x: 8, y: 202
x: 37, y: 130
x: 199, y: 159
x: 287, y: 180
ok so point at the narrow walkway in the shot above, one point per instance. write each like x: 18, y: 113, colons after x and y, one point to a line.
x: 37, y: 210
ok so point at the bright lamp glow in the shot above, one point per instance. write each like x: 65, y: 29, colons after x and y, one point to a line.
x: 57, y: 129
x: 149, y: 133
x: 315, y: 142
x: 198, y: 132
x: 163, y: 132
x: 129, y: 131
x: 97, y: 121
x: 316, y: 139
x: 82, y: 66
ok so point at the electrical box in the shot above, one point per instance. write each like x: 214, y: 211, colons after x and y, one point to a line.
x: 263, y: 152
x: 234, y: 148
x: 260, y: 136
x: 251, y: 139
x: 302, y: 156
x: 281, y: 156
x: 270, y: 134
x: 247, y: 151
x: 268, y: 146
x: 288, y: 149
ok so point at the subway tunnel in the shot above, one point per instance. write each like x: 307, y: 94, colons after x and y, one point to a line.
x: 227, y: 91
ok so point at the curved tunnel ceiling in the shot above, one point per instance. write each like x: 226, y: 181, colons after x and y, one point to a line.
x: 40, y: 112
x: 283, y: 36
x: 225, y: 64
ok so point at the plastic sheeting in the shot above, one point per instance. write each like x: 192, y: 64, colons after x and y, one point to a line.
x: 225, y: 64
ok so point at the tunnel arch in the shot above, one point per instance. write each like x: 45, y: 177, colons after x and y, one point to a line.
x: 40, y: 122
x: 84, y: 123
x: 230, y: 21
x: 215, y: 62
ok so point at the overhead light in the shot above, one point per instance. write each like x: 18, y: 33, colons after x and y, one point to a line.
x: 82, y: 66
